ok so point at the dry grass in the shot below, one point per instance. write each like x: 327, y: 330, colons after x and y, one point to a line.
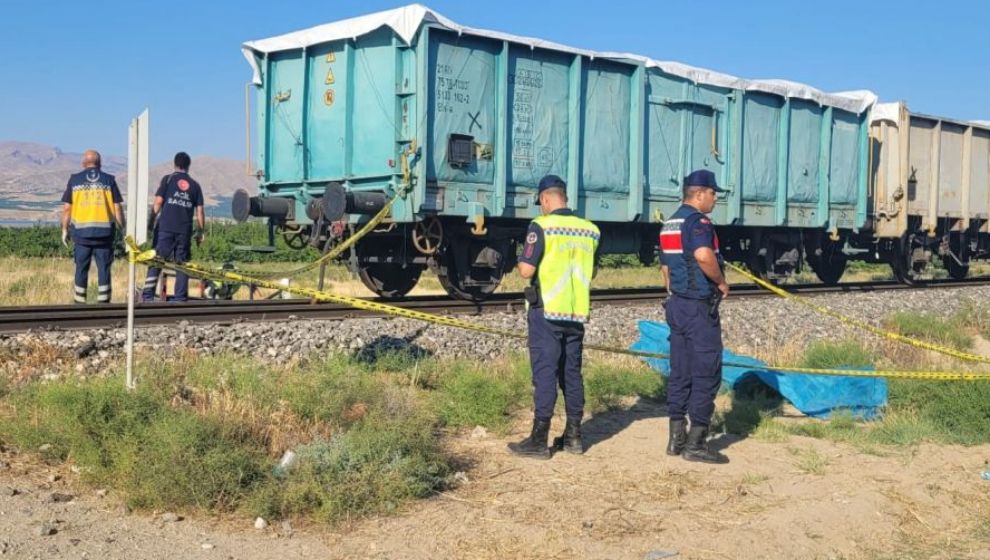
x: 213, y: 387
x: 31, y: 357
x: 35, y: 281
x: 927, y: 532
x: 278, y: 429
x: 809, y: 461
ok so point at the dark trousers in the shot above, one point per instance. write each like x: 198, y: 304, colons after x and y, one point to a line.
x: 555, y: 356
x: 171, y: 247
x: 695, y: 360
x: 84, y: 255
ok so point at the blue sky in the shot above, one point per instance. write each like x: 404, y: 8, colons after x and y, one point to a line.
x: 74, y: 76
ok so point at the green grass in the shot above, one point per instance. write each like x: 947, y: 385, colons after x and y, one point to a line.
x: 841, y: 354
x: 18, y: 288
x: 607, y: 385
x: 945, y: 411
x: 206, y: 433
x: 469, y: 394
x: 391, y: 456
x: 157, y: 455
x: 950, y: 332
x: 975, y: 316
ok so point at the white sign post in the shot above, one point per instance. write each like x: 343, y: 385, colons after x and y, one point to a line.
x: 137, y: 217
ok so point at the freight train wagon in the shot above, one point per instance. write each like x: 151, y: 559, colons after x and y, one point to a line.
x: 930, y: 191
x: 351, y: 112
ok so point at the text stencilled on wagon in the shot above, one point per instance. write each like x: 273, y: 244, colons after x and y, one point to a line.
x: 451, y: 90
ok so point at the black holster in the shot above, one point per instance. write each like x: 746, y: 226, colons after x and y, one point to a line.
x: 713, y: 301
x: 532, y: 295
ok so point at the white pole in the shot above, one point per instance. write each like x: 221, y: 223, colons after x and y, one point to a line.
x: 130, y: 325
x: 137, y: 218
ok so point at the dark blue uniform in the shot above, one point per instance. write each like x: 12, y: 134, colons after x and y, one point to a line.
x: 181, y: 195
x: 695, y: 327
x: 555, y: 347
x: 92, y: 194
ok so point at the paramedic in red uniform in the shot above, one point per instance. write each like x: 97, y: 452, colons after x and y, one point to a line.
x: 692, y: 270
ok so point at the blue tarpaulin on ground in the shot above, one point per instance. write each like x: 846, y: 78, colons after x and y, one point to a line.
x: 814, y: 395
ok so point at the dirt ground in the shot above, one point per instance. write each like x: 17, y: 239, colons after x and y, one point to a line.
x: 801, y: 498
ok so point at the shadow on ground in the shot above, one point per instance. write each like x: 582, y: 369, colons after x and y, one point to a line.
x: 605, y: 425
x: 752, y: 400
x: 386, y: 346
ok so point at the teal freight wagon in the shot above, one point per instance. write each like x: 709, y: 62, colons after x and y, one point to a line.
x: 350, y: 112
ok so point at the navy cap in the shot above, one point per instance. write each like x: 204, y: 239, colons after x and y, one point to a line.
x: 702, y: 178
x: 551, y: 182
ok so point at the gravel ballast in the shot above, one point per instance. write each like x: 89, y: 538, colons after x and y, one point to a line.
x: 750, y: 325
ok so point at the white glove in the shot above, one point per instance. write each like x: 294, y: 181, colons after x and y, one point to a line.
x: 65, y: 237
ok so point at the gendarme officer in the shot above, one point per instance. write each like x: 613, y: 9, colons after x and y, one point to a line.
x: 559, y: 258
x: 692, y: 270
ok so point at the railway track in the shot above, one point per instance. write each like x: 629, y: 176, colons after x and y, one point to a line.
x: 18, y: 319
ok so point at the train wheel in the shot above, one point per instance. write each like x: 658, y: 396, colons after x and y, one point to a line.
x: 956, y: 271
x: 470, y: 293
x: 647, y: 254
x: 902, y: 262
x: 389, y: 280
x: 758, y: 264
x: 830, y: 271
x: 830, y: 265
x: 903, y: 272
x: 473, y: 283
x: 762, y: 255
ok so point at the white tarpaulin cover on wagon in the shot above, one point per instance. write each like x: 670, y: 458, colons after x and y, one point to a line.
x: 891, y: 112
x: 407, y: 21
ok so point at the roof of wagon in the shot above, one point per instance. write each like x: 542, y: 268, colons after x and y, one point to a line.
x: 891, y: 112
x: 407, y: 21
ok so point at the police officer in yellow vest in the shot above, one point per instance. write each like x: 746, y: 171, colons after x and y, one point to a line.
x: 559, y: 258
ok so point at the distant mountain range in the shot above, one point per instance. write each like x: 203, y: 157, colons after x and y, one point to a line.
x: 33, y: 177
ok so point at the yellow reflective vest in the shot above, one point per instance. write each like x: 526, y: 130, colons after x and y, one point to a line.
x: 568, y: 263
x: 92, y: 195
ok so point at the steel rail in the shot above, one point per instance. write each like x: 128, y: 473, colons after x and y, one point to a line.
x: 19, y: 319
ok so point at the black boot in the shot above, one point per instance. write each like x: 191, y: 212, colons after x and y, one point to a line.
x: 570, y: 440
x: 678, y: 436
x: 697, y: 448
x: 535, y: 445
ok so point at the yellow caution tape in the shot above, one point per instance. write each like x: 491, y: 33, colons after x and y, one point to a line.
x: 392, y: 310
x: 861, y: 324
x: 333, y: 253
x: 135, y: 254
